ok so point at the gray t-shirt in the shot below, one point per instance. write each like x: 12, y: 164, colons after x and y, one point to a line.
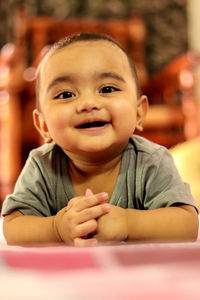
x: 148, y: 179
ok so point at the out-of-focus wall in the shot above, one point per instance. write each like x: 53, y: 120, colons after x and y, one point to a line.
x: 5, y: 22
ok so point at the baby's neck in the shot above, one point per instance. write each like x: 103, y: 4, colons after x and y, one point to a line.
x: 99, y: 177
x: 90, y: 168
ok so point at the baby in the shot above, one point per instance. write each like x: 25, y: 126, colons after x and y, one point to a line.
x: 93, y: 180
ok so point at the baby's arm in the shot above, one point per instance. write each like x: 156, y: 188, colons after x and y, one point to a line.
x: 73, y: 222
x: 175, y: 223
x: 21, y: 229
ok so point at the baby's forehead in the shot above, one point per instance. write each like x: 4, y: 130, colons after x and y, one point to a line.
x: 95, y: 45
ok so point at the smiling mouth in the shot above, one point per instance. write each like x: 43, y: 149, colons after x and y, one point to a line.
x: 96, y: 124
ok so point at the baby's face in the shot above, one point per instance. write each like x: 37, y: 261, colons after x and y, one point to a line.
x: 88, y: 98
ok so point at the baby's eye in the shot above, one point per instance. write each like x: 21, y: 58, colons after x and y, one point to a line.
x: 108, y: 89
x: 64, y: 95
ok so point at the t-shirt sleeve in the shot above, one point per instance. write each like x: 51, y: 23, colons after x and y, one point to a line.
x: 162, y: 184
x: 31, y: 195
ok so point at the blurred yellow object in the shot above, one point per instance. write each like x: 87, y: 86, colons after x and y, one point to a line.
x: 187, y: 159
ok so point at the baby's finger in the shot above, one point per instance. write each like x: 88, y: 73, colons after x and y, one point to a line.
x: 88, y: 192
x: 68, y: 206
x: 86, y: 202
x: 79, y: 242
x: 93, y: 212
x: 72, y: 201
x: 82, y: 230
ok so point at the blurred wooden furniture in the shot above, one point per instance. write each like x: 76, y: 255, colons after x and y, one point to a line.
x: 173, y: 114
x: 167, y: 115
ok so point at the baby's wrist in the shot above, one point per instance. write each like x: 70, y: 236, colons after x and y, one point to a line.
x: 127, y: 224
x: 55, y: 225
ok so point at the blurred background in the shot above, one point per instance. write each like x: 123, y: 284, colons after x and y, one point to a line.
x: 161, y: 36
x: 166, y: 21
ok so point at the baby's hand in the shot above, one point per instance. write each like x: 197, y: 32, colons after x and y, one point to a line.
x: 78, y: 219
x: 112, y: 226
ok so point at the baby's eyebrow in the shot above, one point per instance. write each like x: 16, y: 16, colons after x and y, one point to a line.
x: 60, y: 79
x: 111, y: 75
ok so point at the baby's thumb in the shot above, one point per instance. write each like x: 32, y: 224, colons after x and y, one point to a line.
x: 88, y: 192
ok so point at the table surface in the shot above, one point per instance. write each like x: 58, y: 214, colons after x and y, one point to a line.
x: 123, y: 271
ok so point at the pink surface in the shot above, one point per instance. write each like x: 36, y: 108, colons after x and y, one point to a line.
x: 61, y: 258
x: 46, y: 259
x: 126, y: 271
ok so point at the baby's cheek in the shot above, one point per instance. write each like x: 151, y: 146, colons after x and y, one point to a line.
x: 57, y: 123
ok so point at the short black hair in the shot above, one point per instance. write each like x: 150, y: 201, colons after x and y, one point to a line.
x: 87, y: 36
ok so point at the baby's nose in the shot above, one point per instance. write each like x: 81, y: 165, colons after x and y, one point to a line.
x: 88, y: 103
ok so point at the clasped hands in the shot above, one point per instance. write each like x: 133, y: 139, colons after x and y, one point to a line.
x: 89, y: 219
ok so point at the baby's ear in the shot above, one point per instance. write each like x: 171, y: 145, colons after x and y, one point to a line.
x: 142, y: 109
x: 41, y: 126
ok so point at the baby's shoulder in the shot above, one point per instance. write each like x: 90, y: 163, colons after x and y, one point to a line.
x: 43, y: 150
x: 47, y: 153
x: 142, y: 145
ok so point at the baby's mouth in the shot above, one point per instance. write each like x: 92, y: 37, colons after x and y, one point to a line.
x: 95, y: 124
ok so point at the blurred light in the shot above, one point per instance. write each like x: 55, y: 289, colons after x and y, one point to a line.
x: 186, y: 79
x: 29, y: 74
x: 7, y: 49
x: 4, y: 97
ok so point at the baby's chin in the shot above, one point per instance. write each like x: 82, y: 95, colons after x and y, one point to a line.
x: 95, y: 147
